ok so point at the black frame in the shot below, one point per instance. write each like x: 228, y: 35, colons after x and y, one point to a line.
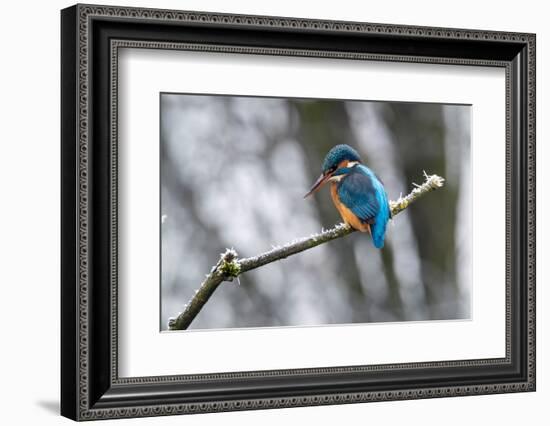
x: 91, y: 37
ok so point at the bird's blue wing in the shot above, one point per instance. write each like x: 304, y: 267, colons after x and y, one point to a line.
x: 357, y: 192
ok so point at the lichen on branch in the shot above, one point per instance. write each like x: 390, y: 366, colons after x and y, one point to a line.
x: 229, y: 265
x: 431, y: 183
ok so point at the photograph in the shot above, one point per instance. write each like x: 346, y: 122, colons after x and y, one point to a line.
x: 265, y: 209
x: 245, y: 175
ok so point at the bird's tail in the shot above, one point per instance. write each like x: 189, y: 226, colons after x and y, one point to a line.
x: 378, y: 232
x: 378, y: 228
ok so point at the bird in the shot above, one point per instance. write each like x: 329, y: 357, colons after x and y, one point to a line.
x: 358, y: 194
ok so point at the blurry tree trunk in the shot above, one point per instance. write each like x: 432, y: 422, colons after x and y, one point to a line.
x: 421, y: 131
x: 393, y: 301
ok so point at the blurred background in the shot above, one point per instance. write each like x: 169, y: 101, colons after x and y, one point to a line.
x: 234, y: 171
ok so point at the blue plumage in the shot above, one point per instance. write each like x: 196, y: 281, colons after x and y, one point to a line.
x: 362, y: 192
x: 357, y: 192
x: 338, y: 154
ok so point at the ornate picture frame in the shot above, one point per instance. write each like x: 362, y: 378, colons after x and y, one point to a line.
x: 91, y: 37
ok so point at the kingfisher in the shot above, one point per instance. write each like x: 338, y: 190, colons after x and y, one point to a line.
x: 357, y: 193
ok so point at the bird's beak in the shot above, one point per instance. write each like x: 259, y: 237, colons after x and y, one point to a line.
x: 318, y: 183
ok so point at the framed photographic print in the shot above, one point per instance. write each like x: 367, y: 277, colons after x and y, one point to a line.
x: 263, y: 212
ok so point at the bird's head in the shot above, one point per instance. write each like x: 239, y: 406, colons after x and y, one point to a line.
x: 338, y: 162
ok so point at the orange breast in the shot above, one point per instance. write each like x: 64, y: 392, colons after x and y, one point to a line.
x: 347, y: 214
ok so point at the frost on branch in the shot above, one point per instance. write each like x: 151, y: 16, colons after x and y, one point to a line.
x: 230, y: 266
x: 431, y: 183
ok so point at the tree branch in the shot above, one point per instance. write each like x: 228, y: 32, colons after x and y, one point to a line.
x: 230, y: 266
